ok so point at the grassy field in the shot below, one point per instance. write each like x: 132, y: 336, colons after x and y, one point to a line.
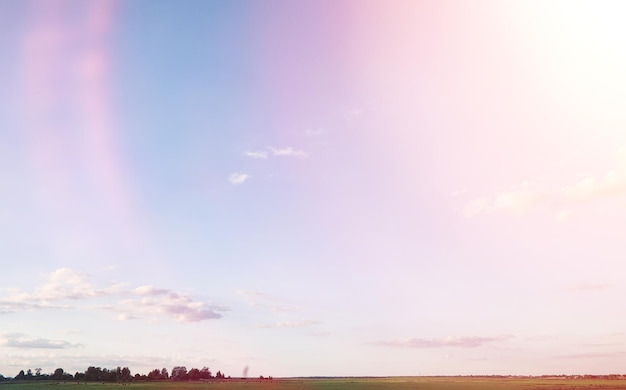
x: 415, y: 383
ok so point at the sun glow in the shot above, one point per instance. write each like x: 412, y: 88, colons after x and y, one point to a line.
x: 577, y: 44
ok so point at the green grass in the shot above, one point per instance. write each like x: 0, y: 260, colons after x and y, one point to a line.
x: 400, y: 383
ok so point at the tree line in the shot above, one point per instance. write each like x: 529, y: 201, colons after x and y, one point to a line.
x: 119, y: 374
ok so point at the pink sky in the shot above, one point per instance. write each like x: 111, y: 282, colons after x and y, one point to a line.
x: 314, y: 188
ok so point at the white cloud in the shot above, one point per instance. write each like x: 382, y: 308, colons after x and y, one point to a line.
x: 180, y: 307
x: 61, y: 285
x: 519, y: 201
x: 287, y: 152
x: 257, y: 154
x: 65, y: 285
x: 516, y: 202
x: 238, y: 178
x: 150, y: 290
x: 612, y: 183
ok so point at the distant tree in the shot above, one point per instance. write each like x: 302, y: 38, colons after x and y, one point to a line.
x: 79, y: 376
x: 205, y: 373
x: 37, y: 372
x: 193, y: 374
x: 164, y: 373
x: 92, y: 373
x: 124, y: 374
x: 154, y: 375
x: 29, y: 374
x: 108, y: 375
x: 57, y: 375
x: 179, y: 373
x: 20, y: 375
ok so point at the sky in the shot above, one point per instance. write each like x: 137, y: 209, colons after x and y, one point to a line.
x: 312, y: 188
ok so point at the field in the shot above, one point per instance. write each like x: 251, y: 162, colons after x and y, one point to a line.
x: 414, y: 383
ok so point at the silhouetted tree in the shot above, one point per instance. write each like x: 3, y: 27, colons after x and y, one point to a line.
x: 57, y: 375
x: 93, y: 373
x: 179, y: 373
x: 193, y: 374
x: 164, y: 373
x: 20, y: 375
x: 154, y: 375
x: 205, y: 373
x: 124, y: 374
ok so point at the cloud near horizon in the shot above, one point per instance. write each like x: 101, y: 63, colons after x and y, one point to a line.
x: 460, y: 342
x: 19, y: 340
x: 64, y: 284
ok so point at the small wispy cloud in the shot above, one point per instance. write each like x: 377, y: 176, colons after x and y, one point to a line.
x: 290, y: 324
x: 262, y: 300
x: 237, y: 178
x: 515, y: 201
x: 353, y: 114
x: 262, y: 154
x: 19, y: 340
x: 321, y: 333
x: 587, y: 286
x: 564, y: 216
x: 271, y: 151
x: 460, y: 342
x: 313, y: 132
x: 593, y: 355
x: 287, y: 152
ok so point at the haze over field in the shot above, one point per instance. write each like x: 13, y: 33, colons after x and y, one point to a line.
x: 331, y: 187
